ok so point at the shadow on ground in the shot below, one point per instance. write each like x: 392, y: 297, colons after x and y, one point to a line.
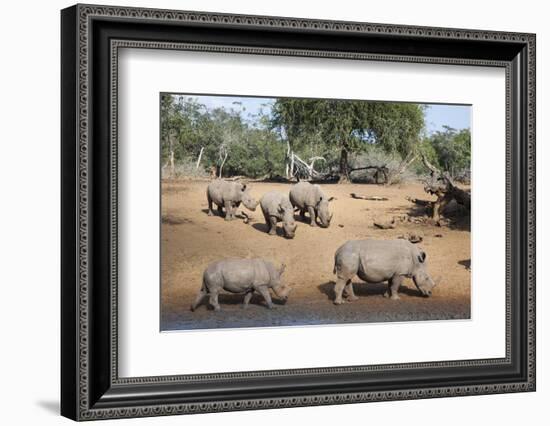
x: 362, y: 289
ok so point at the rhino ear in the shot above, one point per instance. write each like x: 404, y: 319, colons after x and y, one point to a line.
x: 282, y: 269
x: 422, y: 256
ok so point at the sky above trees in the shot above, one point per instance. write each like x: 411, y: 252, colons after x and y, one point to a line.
x: 436, y: 117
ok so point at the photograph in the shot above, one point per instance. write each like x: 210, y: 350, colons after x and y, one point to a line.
x: 285, y: 211
x: 268, y: 209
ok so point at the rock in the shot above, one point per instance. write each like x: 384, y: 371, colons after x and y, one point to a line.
x: 412, y: 237
x: 415, y: 238
x: 385, y: 223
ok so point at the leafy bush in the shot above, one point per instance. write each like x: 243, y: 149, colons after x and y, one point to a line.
x: 450, y: 150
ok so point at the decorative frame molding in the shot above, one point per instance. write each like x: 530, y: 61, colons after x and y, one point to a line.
x: 91, y: 388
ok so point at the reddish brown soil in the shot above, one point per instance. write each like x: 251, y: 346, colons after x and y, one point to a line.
x: 191, y: 239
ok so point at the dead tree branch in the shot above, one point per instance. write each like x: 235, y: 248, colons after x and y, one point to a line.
x: 443, y: 187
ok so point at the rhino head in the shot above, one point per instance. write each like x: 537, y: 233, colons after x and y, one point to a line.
x: 281, y: 290
x: 323, y: 212
x: 247, y: 199
x: 421, y: 278
x: 289, y: 224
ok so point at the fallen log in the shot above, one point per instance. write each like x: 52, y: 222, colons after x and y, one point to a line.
x: 419, y: 202
x: 384, y: 223
x: 368, y: 198
x: 234, y: 178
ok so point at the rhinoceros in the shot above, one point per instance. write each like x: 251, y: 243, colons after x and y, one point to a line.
x: 307, y: 197
x: 229, y: 195
x: 375, y: 261
x: 244, y: 276
x: 276, y: 207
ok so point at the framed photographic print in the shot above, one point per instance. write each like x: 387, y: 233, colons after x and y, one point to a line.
x: 263, y: 212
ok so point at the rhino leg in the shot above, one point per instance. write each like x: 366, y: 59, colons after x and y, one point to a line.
x: 220, y: 210
x: 350, y: 294
x: 303, y: 214
x: 210, y: 212
x: 393, y: 287
x: 312, y: 215
x: 267, y: 221
x: 247, y: 298
x: 272, y: 225
x: 341, y: 283
x: 198, y: 299
x: 214, y: 300
x: 265, y: 294
x: 228, y: 210
x: 346, y: 267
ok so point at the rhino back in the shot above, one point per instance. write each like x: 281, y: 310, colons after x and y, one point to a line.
x: 236, y: 275
x: 379, y: 260
x: 385, y: 258
x: 304, y: 194
x: 270, y: 203
x: 220, y: 191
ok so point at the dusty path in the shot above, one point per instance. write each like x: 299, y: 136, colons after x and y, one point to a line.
x: 191, y: 239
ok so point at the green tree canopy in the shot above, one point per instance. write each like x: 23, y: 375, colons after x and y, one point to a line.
x: 349, y: 126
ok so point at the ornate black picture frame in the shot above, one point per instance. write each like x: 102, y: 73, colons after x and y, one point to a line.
x: 91, y: 37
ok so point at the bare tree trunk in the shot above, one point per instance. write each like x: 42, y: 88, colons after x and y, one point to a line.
x: 172, y: 165
x: 344, y: 169
x: 171, y: 160
x: 288, y: 154
x: 292, y: 164
x: 199, y: 159
x: 223, y: 162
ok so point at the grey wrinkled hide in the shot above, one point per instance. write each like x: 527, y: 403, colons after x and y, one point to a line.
x: 243, y: 276
x: 307, y: 197
x: 229, y: 195
x: 276, y: 207
x: 376, y: 261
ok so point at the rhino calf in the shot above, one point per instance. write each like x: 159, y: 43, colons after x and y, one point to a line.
x: 375, y: 261
x: 307, y: 197
x: 276, y: 207
x: 244, y: 276
x: 229, y: 195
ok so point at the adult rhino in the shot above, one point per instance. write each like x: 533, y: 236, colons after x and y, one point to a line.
x: 276, y: 207
x: 307, y: 197
x: 244, y: 276
x: 229, y: 195
x: 375, y: 261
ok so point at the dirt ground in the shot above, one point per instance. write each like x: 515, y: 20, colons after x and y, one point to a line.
x: 191, y: 240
